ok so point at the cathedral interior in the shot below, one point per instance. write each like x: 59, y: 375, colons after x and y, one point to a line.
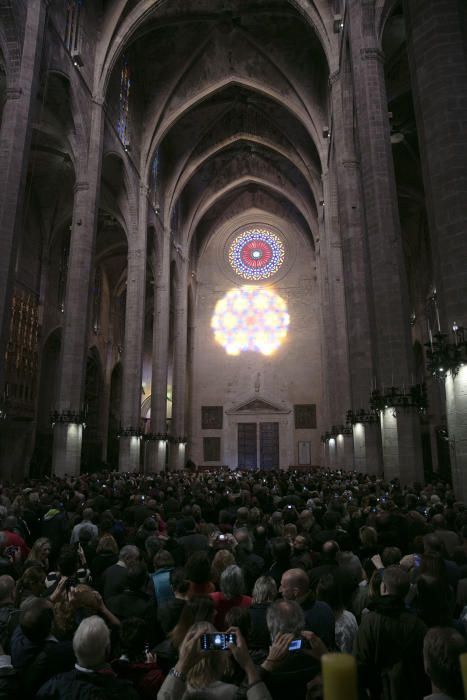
x: 233, y: 234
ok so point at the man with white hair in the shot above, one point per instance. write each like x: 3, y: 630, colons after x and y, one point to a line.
x: 92, y: 676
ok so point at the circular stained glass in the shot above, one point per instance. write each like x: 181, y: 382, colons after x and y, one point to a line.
x: 256, y: 254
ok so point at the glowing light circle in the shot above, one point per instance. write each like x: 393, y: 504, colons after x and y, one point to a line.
x: 250, y: 318
x: 256, y: 254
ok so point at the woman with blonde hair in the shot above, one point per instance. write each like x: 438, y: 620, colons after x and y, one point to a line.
x: 39, y: 553
x: 198, y: 673
x: 222, y: 559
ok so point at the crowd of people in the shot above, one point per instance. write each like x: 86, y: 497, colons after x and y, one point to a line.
x: 228, y: 584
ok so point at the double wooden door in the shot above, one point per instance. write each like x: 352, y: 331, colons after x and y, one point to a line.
x: 258, y: 447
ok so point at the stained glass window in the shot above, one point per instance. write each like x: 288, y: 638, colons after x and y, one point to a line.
x: 256, y: 254
x: 250, y: 318
x: 124, y: 98
x: 72, y: 26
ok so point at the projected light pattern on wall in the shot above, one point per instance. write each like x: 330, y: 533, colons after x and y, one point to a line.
x: 250, y: 318
x: 256, y: 254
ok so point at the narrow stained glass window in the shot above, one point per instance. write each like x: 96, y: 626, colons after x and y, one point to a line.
x: 124, y: 98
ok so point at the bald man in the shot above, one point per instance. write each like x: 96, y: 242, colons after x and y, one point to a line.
x: 319, y: 618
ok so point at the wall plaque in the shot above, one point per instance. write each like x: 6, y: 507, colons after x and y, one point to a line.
x: 212, y: 417
x: 305, y: 415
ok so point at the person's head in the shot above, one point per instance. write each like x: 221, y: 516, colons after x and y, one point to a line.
x: 295, y: 583
x: 368, y: 536
x: 442, y: 647
x: 281, y: 549
x: 329, y: 551
x: 7, y: 590
x: 107, y: 545
x: 35, y: 619
x: 438, y: 522
x: 91, y: 642
x: 40, y: 550
x: 212, y: 666
x: 374, y: 586
x: 264, y: 590
x: 188, y: 525
x: 137, y: 576
x: 129, y: 554
x: 239, y: 617
x: 285, y: 616
x: 179, y: 582
x: 134, y: 634
x: 198, y: 568
x: 391, y: 556
x: 329, y: 591
x: 434, y: 602
x: 300, y: 544
x: 232, y: 583
x: 222, y: 559
x: 396, y: 582
x: 163, y: 560
x: 68, y: 560
x: 32, y: 582
x: 196, y: 610
x: 88, y: 514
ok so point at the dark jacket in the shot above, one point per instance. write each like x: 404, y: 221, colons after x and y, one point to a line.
x: 259, y: 634
x: 146, y: 678
x: 113, y: 581
x: 291, y: 678
x: 137, y: 604
x: 35, y: 662
x: 78, y: 685
x: 319, y: 619
x: 389, y: 652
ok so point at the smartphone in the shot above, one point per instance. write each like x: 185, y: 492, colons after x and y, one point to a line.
x: 217, y: 642
x: 298, y: 644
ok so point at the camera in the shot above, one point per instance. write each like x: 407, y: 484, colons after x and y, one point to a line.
x: 299, y: 644
x: 217, y: 642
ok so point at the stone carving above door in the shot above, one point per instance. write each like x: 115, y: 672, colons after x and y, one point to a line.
x: 255, y: 405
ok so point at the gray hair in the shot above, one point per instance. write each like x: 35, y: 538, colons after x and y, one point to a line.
x: 129, y: 553
x: 265, y: 590
x: 232, y: 583
x: 91, y: 642
x: 285, y: 616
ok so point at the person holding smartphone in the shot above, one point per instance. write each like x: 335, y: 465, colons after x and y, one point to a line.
x: 200, y: 671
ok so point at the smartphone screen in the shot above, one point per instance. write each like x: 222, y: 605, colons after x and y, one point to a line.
x: 217, y: 642
x: 296, y: 645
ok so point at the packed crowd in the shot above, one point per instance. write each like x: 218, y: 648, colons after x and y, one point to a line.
x: 229, y: 585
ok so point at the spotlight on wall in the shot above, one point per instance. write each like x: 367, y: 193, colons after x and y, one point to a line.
x: 127, y: 148
x: 77, y: 60
x: 326, y: 132
x: 338, y: 24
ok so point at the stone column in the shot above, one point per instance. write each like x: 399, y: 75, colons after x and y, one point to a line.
x: 66, y: 458
x: 355, y: 264
x: 130, y: 438
x: 387, y: 279
x: 15, y: 142
x: 180, y: 339
x: 157, y: 449
x: 436, y: 44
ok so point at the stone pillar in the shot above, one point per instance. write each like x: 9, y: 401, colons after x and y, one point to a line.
x: 105, y: 403
x: 332, y: 453
x: 157, y: 449
x: 15, y: 142
x: 367, y: 445
x: 130, y: 437
x: 66, y: 457
x: 456, y: 411
x: 177, y: 447
x: 387, y: 279
x: 436, y: 44
x: 335, y: 320
x: 354, y: 258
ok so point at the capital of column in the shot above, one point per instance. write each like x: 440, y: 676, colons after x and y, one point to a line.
x: 81, y: 186
x: 372, y: 53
